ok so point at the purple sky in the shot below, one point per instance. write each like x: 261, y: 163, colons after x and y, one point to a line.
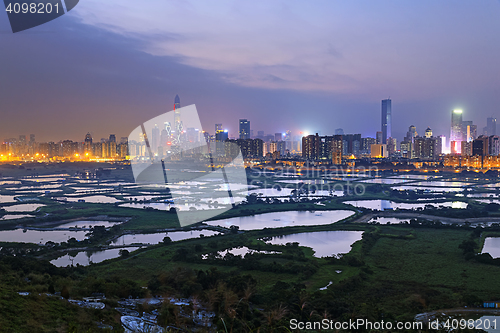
x: 108, y: 66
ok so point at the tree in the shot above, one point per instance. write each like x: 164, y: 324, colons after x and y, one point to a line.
x: 65, y: 292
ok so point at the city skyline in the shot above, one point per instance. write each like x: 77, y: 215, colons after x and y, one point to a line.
x: 73, y: 83
x: 460, y: 129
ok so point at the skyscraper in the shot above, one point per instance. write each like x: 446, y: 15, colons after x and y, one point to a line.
x: 491, y: 126
x: 386, y: 120
x: 244, y: 129
x: 177, y: 119
x: 177, y: 102
x: 155, y: 140
x: 456, y: 126
x: 411, y: 134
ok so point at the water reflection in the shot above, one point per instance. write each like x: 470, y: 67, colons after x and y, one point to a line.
x: 324, y: 243
x: 13, y: 217
x: 86, y: 257
x: 40, y: 237
x: 95, y: 199
x: 158, y: 237
x: 388, y: 205
x: 23, y: 208
x: 492, y: 246
x: 88, y: 224
x: 284, y: 219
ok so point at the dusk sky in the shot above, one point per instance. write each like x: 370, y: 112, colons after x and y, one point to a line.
x: 108, y: 66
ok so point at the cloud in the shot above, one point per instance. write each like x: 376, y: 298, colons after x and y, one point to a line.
x: 324, y: 46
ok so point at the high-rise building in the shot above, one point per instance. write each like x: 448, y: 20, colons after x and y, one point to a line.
x: 379, y: 151
x: 480, y: 146
x: 315, y: 147
x: 469, y: 130
x: 407, y: 149
x: 386, y: 120
x: 221, y: 136
x: 177, y: 102
x: 428, y: 133
x: 366, y: 144
x: 491, y: 126
x: 392, y: 146
x: 32, y: 137
x: 351, y: 144
x: 339, y: 131
x: 278, y: 137
x: 466, y: 148
x: 411, y: 134
x: 112, y: 138
x: 378, y: 137
x: 244, y: 129
x: 155, y: 140
x: 427, y: 147
x: 88, y: 138
x: 494, y: 145
x: 178, y: 127
x: 456, y: 126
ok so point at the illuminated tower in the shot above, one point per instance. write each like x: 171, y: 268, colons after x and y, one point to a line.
x: 386, y: 120
x: 456, y: 126
x: 177, y: 119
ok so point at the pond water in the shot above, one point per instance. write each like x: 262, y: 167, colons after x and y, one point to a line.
x: 88, y: 224
x: 390, y: 220
x: 239, y: 251
x: 7, y: 198
x: 497, y: 201
x: 481, y: 195
x: 386, y: 181
x: 95, y: 199
x: 45, y: 179
x: 425, y: 177
x: 24, y: 188
x: 9, y: 182
x: 158, y: 237
x: 386, y: 204
x: 283, y: 219
x: 272, y: 192
x: 13, y: 217
x: 442, y: 183
x: 40, y: 237
x: 305, y: 181
x: 167, y: 206
x: 324, y: 243
x: 86, y: 257
x: 490, y: 185
x: 427, y: 189
x: 493, y: 322
x: 23, y: 208
x: 492, y: 246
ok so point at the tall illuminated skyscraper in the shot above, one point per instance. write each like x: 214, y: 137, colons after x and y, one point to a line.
x: 386, y: 120
x: 456, y: 126
x: 177, y: 119
x: 244, y: 129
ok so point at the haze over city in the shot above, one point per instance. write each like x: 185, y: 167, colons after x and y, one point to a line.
x: 310, y: 67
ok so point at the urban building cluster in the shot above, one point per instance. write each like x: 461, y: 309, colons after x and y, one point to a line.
x: 465, y: 147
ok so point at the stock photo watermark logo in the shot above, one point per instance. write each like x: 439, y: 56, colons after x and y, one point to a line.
x: 170, y: 152
x: 27, y: 14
